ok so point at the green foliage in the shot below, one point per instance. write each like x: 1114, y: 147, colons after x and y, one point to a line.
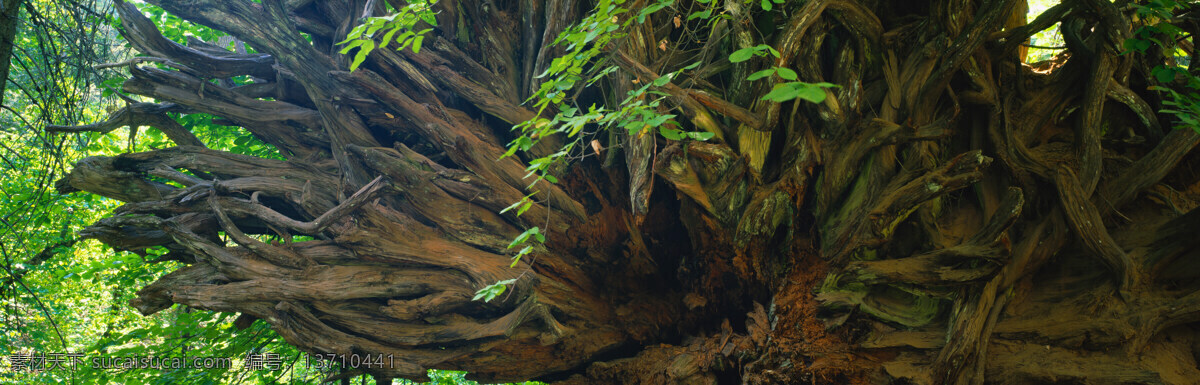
x: 536, y: 233
x: 637, y: 114
x: 782, y: 73
x: 1156, y: 32
x: 766, y: 4
x: 174, y: 28
x: 61, y: 296
x: 397, y: 27
x: 77, y: 301
x: 56, y: 292
x: 1046, y: 43
x: 652, y: 8
x: 1181, y: 87
x: 783, y: 92
x: 580, y: 66
x: 1185, y: 105
x: 780, y: 92
x: 488, y: 293
x: 745, y: 54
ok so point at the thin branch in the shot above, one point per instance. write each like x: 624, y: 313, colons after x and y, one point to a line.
x: 361, y: 197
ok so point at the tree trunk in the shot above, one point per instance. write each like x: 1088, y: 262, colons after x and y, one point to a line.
x: 948, y: 215
x: 10, y: 19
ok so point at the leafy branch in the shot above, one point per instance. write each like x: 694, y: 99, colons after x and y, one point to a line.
x: 399, y: 29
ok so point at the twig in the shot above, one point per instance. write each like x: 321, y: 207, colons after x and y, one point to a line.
x: 362, y: 196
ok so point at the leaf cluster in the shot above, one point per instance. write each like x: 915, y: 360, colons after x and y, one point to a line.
x: 397, y: 27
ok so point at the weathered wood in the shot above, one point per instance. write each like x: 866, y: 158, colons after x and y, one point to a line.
x: 137, y: 115
x: 1088, y: 226
x: 870, y: 238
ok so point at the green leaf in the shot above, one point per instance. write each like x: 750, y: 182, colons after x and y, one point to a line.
x: 532, y: 231
x: 670, y: 133
x: 524, y: 251
x: 354, y: 34
x: 351, y: 46
x: 812, y: 93
x: 701, y: 136
x: 375, y: 24
x: 1141, y: 45
x: 115, y: 83
x: 651, y: 9
x: 517, y: 258
x: 518, y: 204
x: 361, y: 56
x: 525, y: 207
x: 634, y: 126
x: 416, y: 45
x: 786, y: 74
x: 742, y: 55
x: 387, y: 37
x: 1164, y: 74
x: 428, y: 17
x: 761, y: 74
x: 781, y: 93
x: 659, y: 120
x: 766, y: 5
x: 490, y: 292
x: 787, y: 91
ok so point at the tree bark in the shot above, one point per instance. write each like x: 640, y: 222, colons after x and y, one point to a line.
x: 10, y: 19
x: 948, y: 215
